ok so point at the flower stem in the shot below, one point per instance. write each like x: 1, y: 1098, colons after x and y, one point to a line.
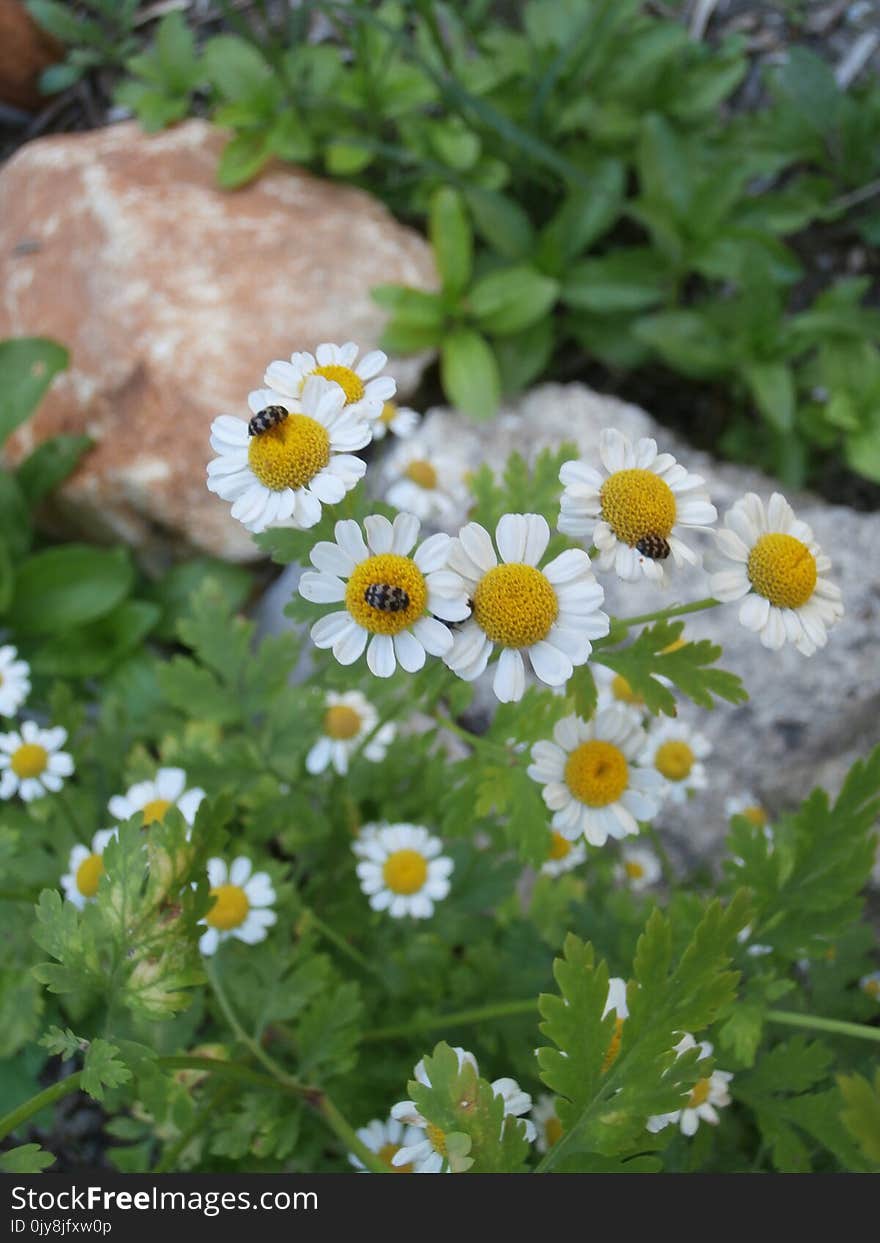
x: 310, y: 919
x: 473, y: 740
x: 679, y: 610
x: 17, y: 1117
x: 791, y: 1018
x: 438, y: 1022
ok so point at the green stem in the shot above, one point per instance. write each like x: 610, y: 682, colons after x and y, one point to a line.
x: 253, y: 1046
x: 679, y: 610
x: 17, y: 1117
x: 18, y: 895
x: 309, y: 918
x: 439, y: 1022
x: 473, y: 740
x: 791, y: 1018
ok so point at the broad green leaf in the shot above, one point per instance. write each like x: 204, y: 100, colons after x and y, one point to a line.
x: 26, y: 1159
x: 623, y: 280
x: 772, y: 385
x: 243, y: 158
x: 511, y: 299
x: 236, y: 68
x: 69, y: 586
x: 49, y: 465
x: 861, y: 1116
x: 469, y: 373
x: 500, y: 221
x: 28, y: 365
x: 450, y: 233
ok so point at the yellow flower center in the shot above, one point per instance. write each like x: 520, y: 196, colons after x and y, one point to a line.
x: 422, y: 473
x: 390, y: 570
x: 88, y: 875
x: 387, y: 1153
x: 341, y: 722
x: 515, y: 605
x: 405, y: 871
x: 636, y: 503
x: 290, y: 454
x: 597, y: 773
x: 559, y: 846
x: 614, y: 1046
x: 552, y: 1131
x: 756, y: 816
x: 634, y: 870
x: 389, y: 413
x: 700, y: 1094
x: 349, y: 381
x: 437, y: 1138
x: 673, y: 647
x: 872, y: 988
x: 29, y: 760
x: 155, y: 810
x: 783, y: 570
x: 621, y: 689
x: 230, y: 907
x: 674, y: 759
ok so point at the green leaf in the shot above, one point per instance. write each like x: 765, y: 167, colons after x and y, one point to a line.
x: 523, y: 356
x: 235, y: 68
x: 85, y: 651
x: 410, y: 306
x: 242, y: 158
x: 102, y: 1069
x: 7, y: 576
x: 49, y: 465
x: 624, y: 280
x: 15, y: 518
x: 585, y: 216
x: 772, y: 386
x: 687, y: 341
x: 69, y: 586
x: 861, y: 1117
x: 500, y: 221
x: 511, y: 299
x: 341, y: 158
x: 469, y: 373
x: 26, y: 1159
x: 176, y: 591
x: 28, y: 365
x: 450, y: 233
x: 807, y: 83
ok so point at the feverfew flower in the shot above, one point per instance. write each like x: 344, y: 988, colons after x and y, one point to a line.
x: 32, y: 763
x: 550, y: 615
x: 563, y: 855
x: 388, y: 596
x: 431, y: 487
x: 400, y: 420
x: 870, y: 985
x: 153, y: 798
x: 638, y: 868
x: 402, y: 870
x: 85, y: 869
x: 773, y: 564
x: 547, y: 1124
x: 365, y: 390
x: 707, y: 1096
x: 428, y: 1154
x: 242, y: 904
x: 348, y: 719
x: 15, y: 683
x: 282, y: 476
x: 747, y: 805
x: 592, y: 779
x: 676, y: 751
x: 634, y: 509
x: 386, y: 1139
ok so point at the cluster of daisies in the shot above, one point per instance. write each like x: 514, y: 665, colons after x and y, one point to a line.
x: 32, y: 762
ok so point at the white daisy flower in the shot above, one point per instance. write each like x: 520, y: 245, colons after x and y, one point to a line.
x: 550, y: 615
x: 677, y: 752
x: 547, y: 1124
x: 707, y: 1096
x: 428, y: 1154
x: 747, y: 805
x: 616, y: 1002
x: 591, y: 776
x: 386, y: 1139
x: 400, y: 420
x: 388, y: 596
x: 638, y: 868
x: 431, y: 487
x: 773, y: 564
x: 15, y: 681
x: 366, y: 391
x: 32, y: 763
x: 282, y: 476
x: 242, y: 904
x: 870, y: 984
x: 348, y: 719
x: 634, y: 511
x: 402, y: 871
x: 85, y: 869
x: 564, y: 855
x: 153, y: 798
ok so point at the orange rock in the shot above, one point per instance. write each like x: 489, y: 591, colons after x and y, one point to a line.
x: 172, y: 297
x: 25, y: 51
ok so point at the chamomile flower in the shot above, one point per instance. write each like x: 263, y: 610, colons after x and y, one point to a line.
x: 747, y: 805
x: 365, y: 390
x: 242, y: 906
x: 592, y: 778
x: 550, y: 615
x: 401, y: 421
x: 348, y: 719
x: 428, y: 1154
x: 639, y: 868
x: 429, y: 486
x: 563, y: 855
x: 282, y: 476
x: 614, y: 688
x: 85, y: 869
x: 772, y: 563
x: 15, y: 681
x: 402, y: 870
x: 32, y: 763
x: 870, y: 985
x: 388, y: 596
x: 707, y: 1096
x: 547, y: 1124
x: 677, y: 752
x: 153, y: 798
x: 386, y: 1139
x: 616, y: 1002
x: 635, y: 508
